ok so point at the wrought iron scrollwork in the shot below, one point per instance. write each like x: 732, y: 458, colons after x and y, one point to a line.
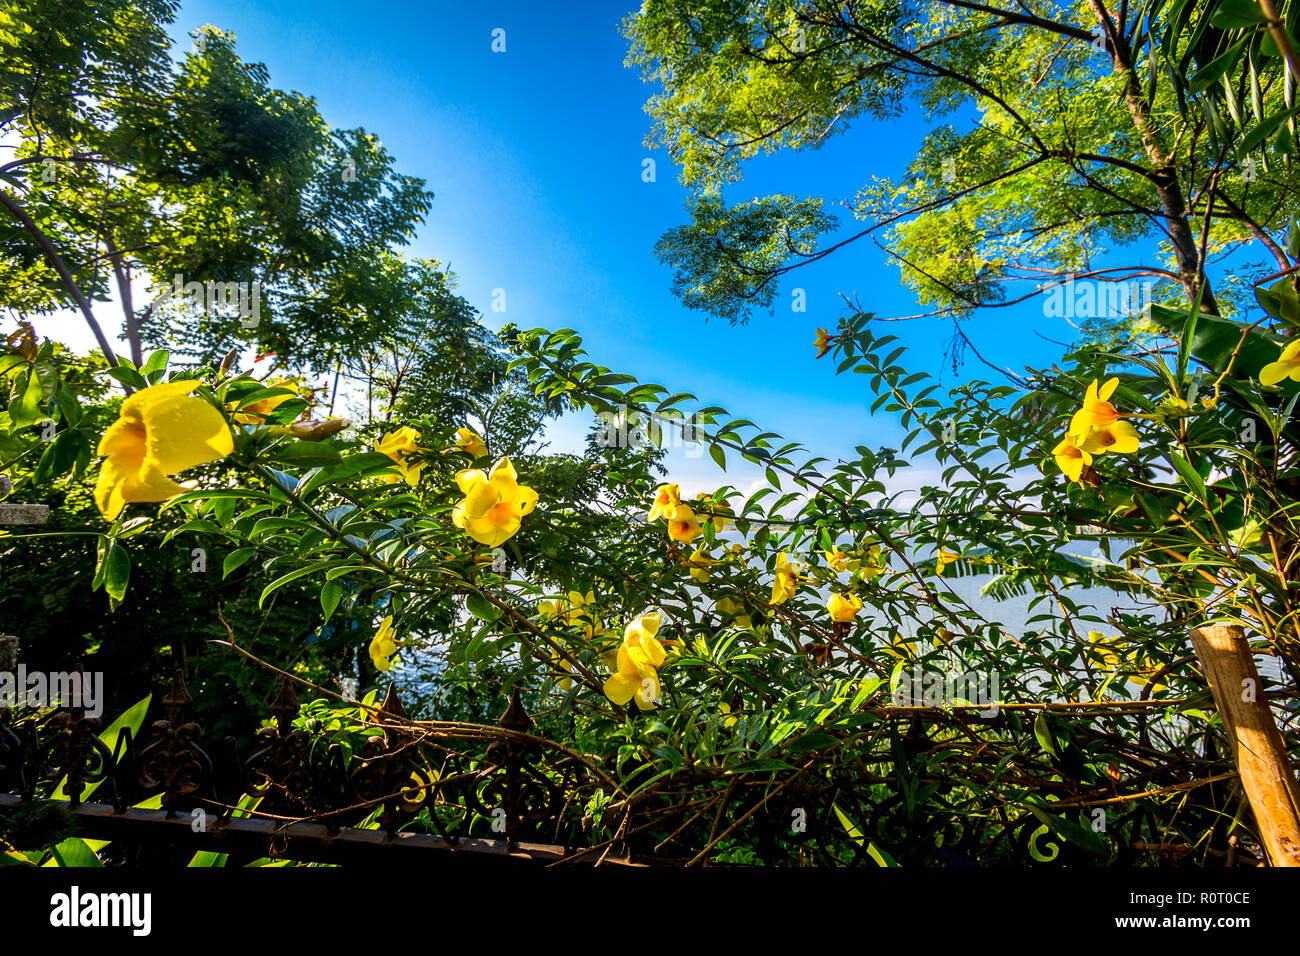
x: 174, y: 762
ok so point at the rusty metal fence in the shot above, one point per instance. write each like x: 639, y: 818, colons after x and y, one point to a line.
x: 413, y: 789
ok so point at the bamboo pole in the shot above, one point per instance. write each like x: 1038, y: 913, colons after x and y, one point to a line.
x: 1256, y: 743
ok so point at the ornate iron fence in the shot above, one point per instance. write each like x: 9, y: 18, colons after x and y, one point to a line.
x: 418, y: 785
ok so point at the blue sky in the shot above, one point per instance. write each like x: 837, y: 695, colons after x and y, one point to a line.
x: 535, y: 158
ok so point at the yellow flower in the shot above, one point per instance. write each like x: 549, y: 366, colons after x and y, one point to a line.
x: 255, y: 413
x: 1071, y: 457
x: 843, y: 607
x: 575, y: 608
x: 1102, y: 649
x: 1119, y: 437
x: 494, y: 504
x: 667, y: 499
x: 823, y: 342
x: 728, y: 719
x: 468, y: 441
x: 732, y: 608
x: 382, y: 645
x: 562, y: 663
x: 699, y: 562
x: 943, y: 559
x: 786, y: 581
x: 401, y: 447
x: 873, y: 567
x: 720, y: 521
x: 900, y: 649
x: 1096, y: 411
x: 161, y: 430
x: 639, y: 657
x: 837, y: 560
x: 683, y: 525
x: 1286, y: 366
x: 1146, y: 670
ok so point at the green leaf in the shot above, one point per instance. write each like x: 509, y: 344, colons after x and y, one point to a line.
x: 117, y: 571
x: 25, y: 400
x: 285, y: 579
x: 815, y: 741
x: 128, y: 376
x: 75, y: 852
x: 1190, y: 476
x: 234, y: 559
x: 482, y: 608
x: 1209, y: 74
x: 155, y: 365
x: 717, y: 454
x: 1235, y: 14
x: 306, y: 453
x: 1043, y: 734
x: 330, y: 595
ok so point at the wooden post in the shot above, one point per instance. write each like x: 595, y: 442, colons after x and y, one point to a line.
x: 1256, y: 743
x: 24, y: 514
x: 15, y: 514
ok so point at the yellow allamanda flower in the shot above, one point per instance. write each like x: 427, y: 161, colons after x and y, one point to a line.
x: 720, y: 521
x: 1119, y: 437
x: 943, y: 559
x: 255, y: 413
x: 823, y: 342
x: 1286, y: 366
x: 383, y: 646
x: 160, y: 431
x: 843, y: 607
x: 402, y: 447
x: 1147, y: 669
x: 872, y: 567
x: 730, y: 607
x: 667, y: 499
x: 468, y: 441
x: 698, y: 563
x: 900, y: 649
x: 562, y: 663
x: 728, y: 719
x: 683, y: 526
x: 1102, y: 649
x: 639, y: 657
x: 837, y: 560
x: 1096, y: 410
x: 573, y: 609
x: 494, y: 505
x: 786, y: 580
x: 1071, y: 457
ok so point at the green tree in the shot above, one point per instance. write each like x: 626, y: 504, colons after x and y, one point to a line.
x: 1063, y: 140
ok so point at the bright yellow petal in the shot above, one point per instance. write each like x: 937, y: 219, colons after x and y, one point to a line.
x: 184, y: 431
x: 620, y: 687
x: 503, y: 469
x: 1274, y: 372
x: 470, y: 479
x: 108, y: 489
